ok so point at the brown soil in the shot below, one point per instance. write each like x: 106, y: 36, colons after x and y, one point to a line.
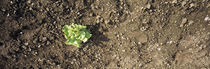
x: 133, y: 34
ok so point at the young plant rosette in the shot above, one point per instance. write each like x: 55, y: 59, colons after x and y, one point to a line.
x: 76, y: 34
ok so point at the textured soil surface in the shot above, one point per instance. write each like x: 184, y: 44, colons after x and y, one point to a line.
x: 132, y: 34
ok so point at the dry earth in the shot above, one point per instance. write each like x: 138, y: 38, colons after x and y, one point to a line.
x: 133, y: 34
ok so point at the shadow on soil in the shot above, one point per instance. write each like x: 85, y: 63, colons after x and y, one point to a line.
x: 97, y: 36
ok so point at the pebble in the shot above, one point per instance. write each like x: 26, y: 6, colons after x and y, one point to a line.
x: 35, y: 53
x: 30, y: 8
x: 192, y: 5
x: 158, y: 49
x: 48, y: 43
x: 143, y: 29
x: 29, y: 1
x: 207, y: 19
x: 21, y: 32
x: 148, y: 6
x: 96, y: 7
x: 91, y: 14
x: 35, y: 41
x: 52, y: 38
x: 106, y: 21
x: 97, y: 21
x: 191, y: 22
x: 174, y: 1
x: 116, y: 20
x: 24, y: 47
x: 101, y: 19
x: 11, y: 2
x: 26, y: 43
x: 29, y: 49
x: 97, y: 17
x: 3, y: 10
x: 25, y: 55
x: 184, y: 2
x: 145, y: 21
x: 47, y: 9
x: 8, y: 15
x: 39, y: 46
x: 184, y: 20
x: 123, y: 50
x: 208, y: 6
x: 44, y: 39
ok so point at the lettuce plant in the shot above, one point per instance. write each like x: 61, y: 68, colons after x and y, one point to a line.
x: 76, y: 34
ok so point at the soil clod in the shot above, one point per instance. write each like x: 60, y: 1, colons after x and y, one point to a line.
x: 184, y: 21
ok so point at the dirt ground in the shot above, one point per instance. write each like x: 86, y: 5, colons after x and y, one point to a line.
x: 132, y: 34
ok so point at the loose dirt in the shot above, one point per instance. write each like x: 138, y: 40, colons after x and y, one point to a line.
x: 133, y: 34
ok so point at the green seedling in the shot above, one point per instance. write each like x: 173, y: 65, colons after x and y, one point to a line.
x: 76, y: 34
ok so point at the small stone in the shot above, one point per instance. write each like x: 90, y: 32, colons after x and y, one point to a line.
x: 30, y: 8
x: 72, y: 62
x: 184, y: 21
x: 158, y: 49
x: 40, y: 10
x: 123, y: 50
x: 207, y: 19
x: 143, y: 29
x: 29, y: 49
x: 97, y: 17
x: 101, y: 19
x: 96, y: 7
x: 39, y: 46
x: 208, y: 6
x: 97, y: 21
x: 116, y: 20
x: 145, y: 21
x: 25, y: 55
x: 26, y: 43
x: 24, y: 47
x: 184, y: 2
x: 29, y: 1
x: 174, y: 1
x: 47, y: 9
x: 21, y: 32
x: 148, y: 6
x: 91, y: 14
x: 192, y: 5
x: 44, y: 39
x: 48, y: 43
x: 11, y: 2
x: 107, y: 21
x: 17, y: 49
x: 8, y: 15
x: 3, y: 10
x: 191, y: 22
x: 34, y: 53
x: 52, y: 38
x: 139, y: 43
x: 35, y: 41
x: 74, y: 59
x: 115, y: 26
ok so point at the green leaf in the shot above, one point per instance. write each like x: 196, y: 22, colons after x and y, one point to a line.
x: 76, y: 34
